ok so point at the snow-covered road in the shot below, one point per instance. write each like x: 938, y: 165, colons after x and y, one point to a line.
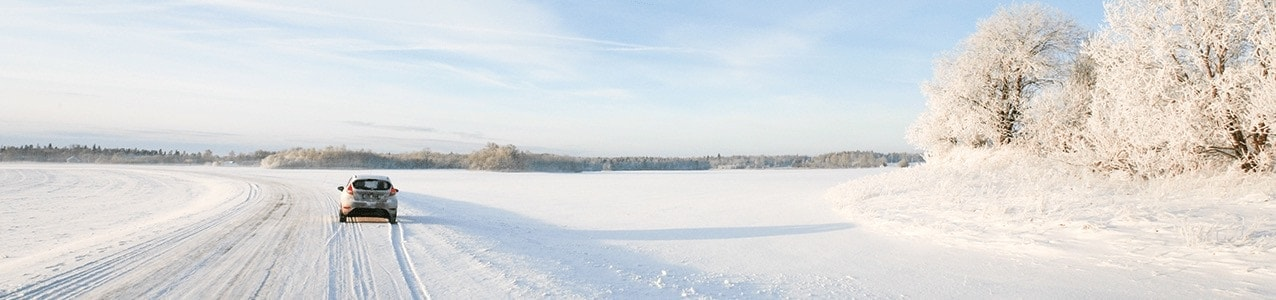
x: 91, y: 231
x: 186, y: 233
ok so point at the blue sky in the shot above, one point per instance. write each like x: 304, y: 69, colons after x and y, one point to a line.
x: 607, y: 78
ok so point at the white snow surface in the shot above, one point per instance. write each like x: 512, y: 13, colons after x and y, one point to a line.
x: 104, y: 231
x: 1188, y: 237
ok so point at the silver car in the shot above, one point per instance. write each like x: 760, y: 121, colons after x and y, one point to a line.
x: 369, y: 195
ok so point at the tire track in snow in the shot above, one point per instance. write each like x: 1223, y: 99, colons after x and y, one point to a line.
x: 457, y: 261
x: 245, y: 250
x: 333, y: 265
x: 361, y: 275
x: 258, y: 249
x: 349, y: 264
x: 359, y: 268
x: 272, y: 235
x: 357, y: 272
x: 410, y: 275
x: 82, y: 279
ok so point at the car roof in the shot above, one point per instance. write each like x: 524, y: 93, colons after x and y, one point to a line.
x: 377, y: 177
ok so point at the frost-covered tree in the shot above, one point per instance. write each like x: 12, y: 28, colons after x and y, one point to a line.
x: 1053, y: 125
x: 1182, y: 85
x: 498, y: 158
x: 981, y: 91
x: 1262, y: 14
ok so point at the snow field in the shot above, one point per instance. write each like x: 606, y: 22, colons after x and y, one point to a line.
x: 1037, y: 207
x: 258, y: 233
x: 150, y: 231
x: 625, y: 234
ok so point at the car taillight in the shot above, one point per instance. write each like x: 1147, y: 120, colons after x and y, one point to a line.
x: 350, y: 189
x: 393, y: 191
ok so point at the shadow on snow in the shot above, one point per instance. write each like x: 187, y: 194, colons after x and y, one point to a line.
x: 582, y: 261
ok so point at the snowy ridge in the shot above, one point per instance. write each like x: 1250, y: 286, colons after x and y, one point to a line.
x: 1013, y: 202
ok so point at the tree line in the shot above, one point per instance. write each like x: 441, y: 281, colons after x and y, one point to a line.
x: 509, y: 158
x: 1165, y: 88
x: 101, y: 155
x: 493, y: 157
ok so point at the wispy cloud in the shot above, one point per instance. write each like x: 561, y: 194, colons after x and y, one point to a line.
x: 392, y: 127
x: 417, y: 129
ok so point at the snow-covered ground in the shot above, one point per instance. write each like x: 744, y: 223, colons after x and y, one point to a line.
x: 1219, y: 231
x: 93, y: 231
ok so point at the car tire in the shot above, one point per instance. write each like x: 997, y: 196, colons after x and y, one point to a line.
x: 341, y: 218
x: 393, y: 219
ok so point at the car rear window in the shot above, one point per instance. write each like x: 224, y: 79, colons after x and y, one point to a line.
x: 371, y: 184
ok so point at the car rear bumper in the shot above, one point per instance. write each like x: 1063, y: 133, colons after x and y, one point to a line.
x: 367, y: 211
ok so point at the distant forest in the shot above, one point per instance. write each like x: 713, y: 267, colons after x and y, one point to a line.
x: 99, y: 155
x: 493, y: 157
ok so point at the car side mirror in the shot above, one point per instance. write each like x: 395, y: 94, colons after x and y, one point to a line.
x: 341, y: 188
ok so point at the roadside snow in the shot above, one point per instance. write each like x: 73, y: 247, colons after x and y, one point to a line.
x: 57, y: 212
x: 1221, y: 225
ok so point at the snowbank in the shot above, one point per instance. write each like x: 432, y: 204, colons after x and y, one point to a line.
x: 1012, y: 202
